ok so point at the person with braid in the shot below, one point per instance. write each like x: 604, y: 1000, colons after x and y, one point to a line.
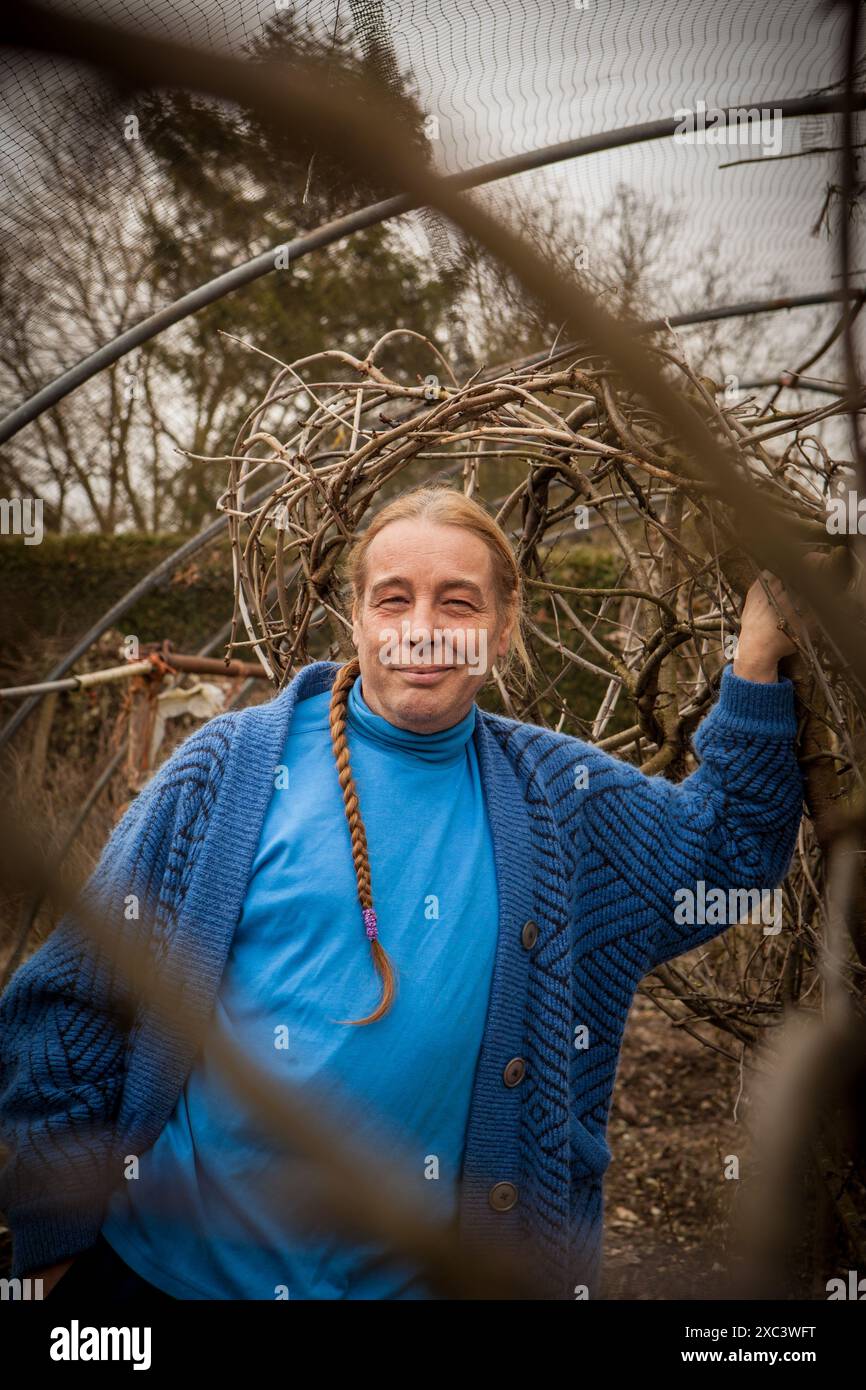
x: 427, y: 918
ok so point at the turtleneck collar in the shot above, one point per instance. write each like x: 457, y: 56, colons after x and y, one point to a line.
x: 446, y: 745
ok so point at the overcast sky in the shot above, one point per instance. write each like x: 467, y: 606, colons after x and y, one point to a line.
x: 504, y: 76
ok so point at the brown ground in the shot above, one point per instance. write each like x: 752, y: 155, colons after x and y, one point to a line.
x: 667, y: 1203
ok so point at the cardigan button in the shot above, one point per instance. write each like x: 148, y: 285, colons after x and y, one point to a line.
x: 514, y: 1072
x: 529, y: 935
x: 502, y: 1196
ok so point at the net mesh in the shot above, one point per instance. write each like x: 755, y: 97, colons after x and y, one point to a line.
x: 495, y: 78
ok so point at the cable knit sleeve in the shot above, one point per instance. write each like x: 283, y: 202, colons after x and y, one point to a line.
x: 698, y: 855
x: 63, y: 1040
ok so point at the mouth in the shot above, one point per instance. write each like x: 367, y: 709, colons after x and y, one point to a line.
x: 423, y: 675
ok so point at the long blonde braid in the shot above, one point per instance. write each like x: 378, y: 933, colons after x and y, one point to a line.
x: 343, y: 682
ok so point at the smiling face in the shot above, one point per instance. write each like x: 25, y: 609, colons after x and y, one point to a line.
x: 427, y: 627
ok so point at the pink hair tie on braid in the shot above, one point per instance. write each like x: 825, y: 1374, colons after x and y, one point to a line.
x: 369, y: 916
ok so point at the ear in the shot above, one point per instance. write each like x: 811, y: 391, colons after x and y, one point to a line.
x: 356, y: 628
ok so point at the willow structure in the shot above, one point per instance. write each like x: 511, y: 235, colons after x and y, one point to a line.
x: 587, y: 456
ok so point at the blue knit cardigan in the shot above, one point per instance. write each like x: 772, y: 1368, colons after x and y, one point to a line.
x: 589, y: 855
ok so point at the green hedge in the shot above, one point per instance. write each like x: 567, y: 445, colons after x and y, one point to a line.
x: 60, y: 588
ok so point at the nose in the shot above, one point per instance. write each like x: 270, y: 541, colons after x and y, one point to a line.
x: 421, y: 618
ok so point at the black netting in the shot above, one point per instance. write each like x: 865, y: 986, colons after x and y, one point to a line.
x: 491, y: 78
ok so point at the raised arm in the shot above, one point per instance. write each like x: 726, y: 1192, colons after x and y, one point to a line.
x: 694, y: 854
x: 701, y: 854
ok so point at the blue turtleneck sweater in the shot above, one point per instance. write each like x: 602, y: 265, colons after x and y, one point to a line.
x: 198, y: 1220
